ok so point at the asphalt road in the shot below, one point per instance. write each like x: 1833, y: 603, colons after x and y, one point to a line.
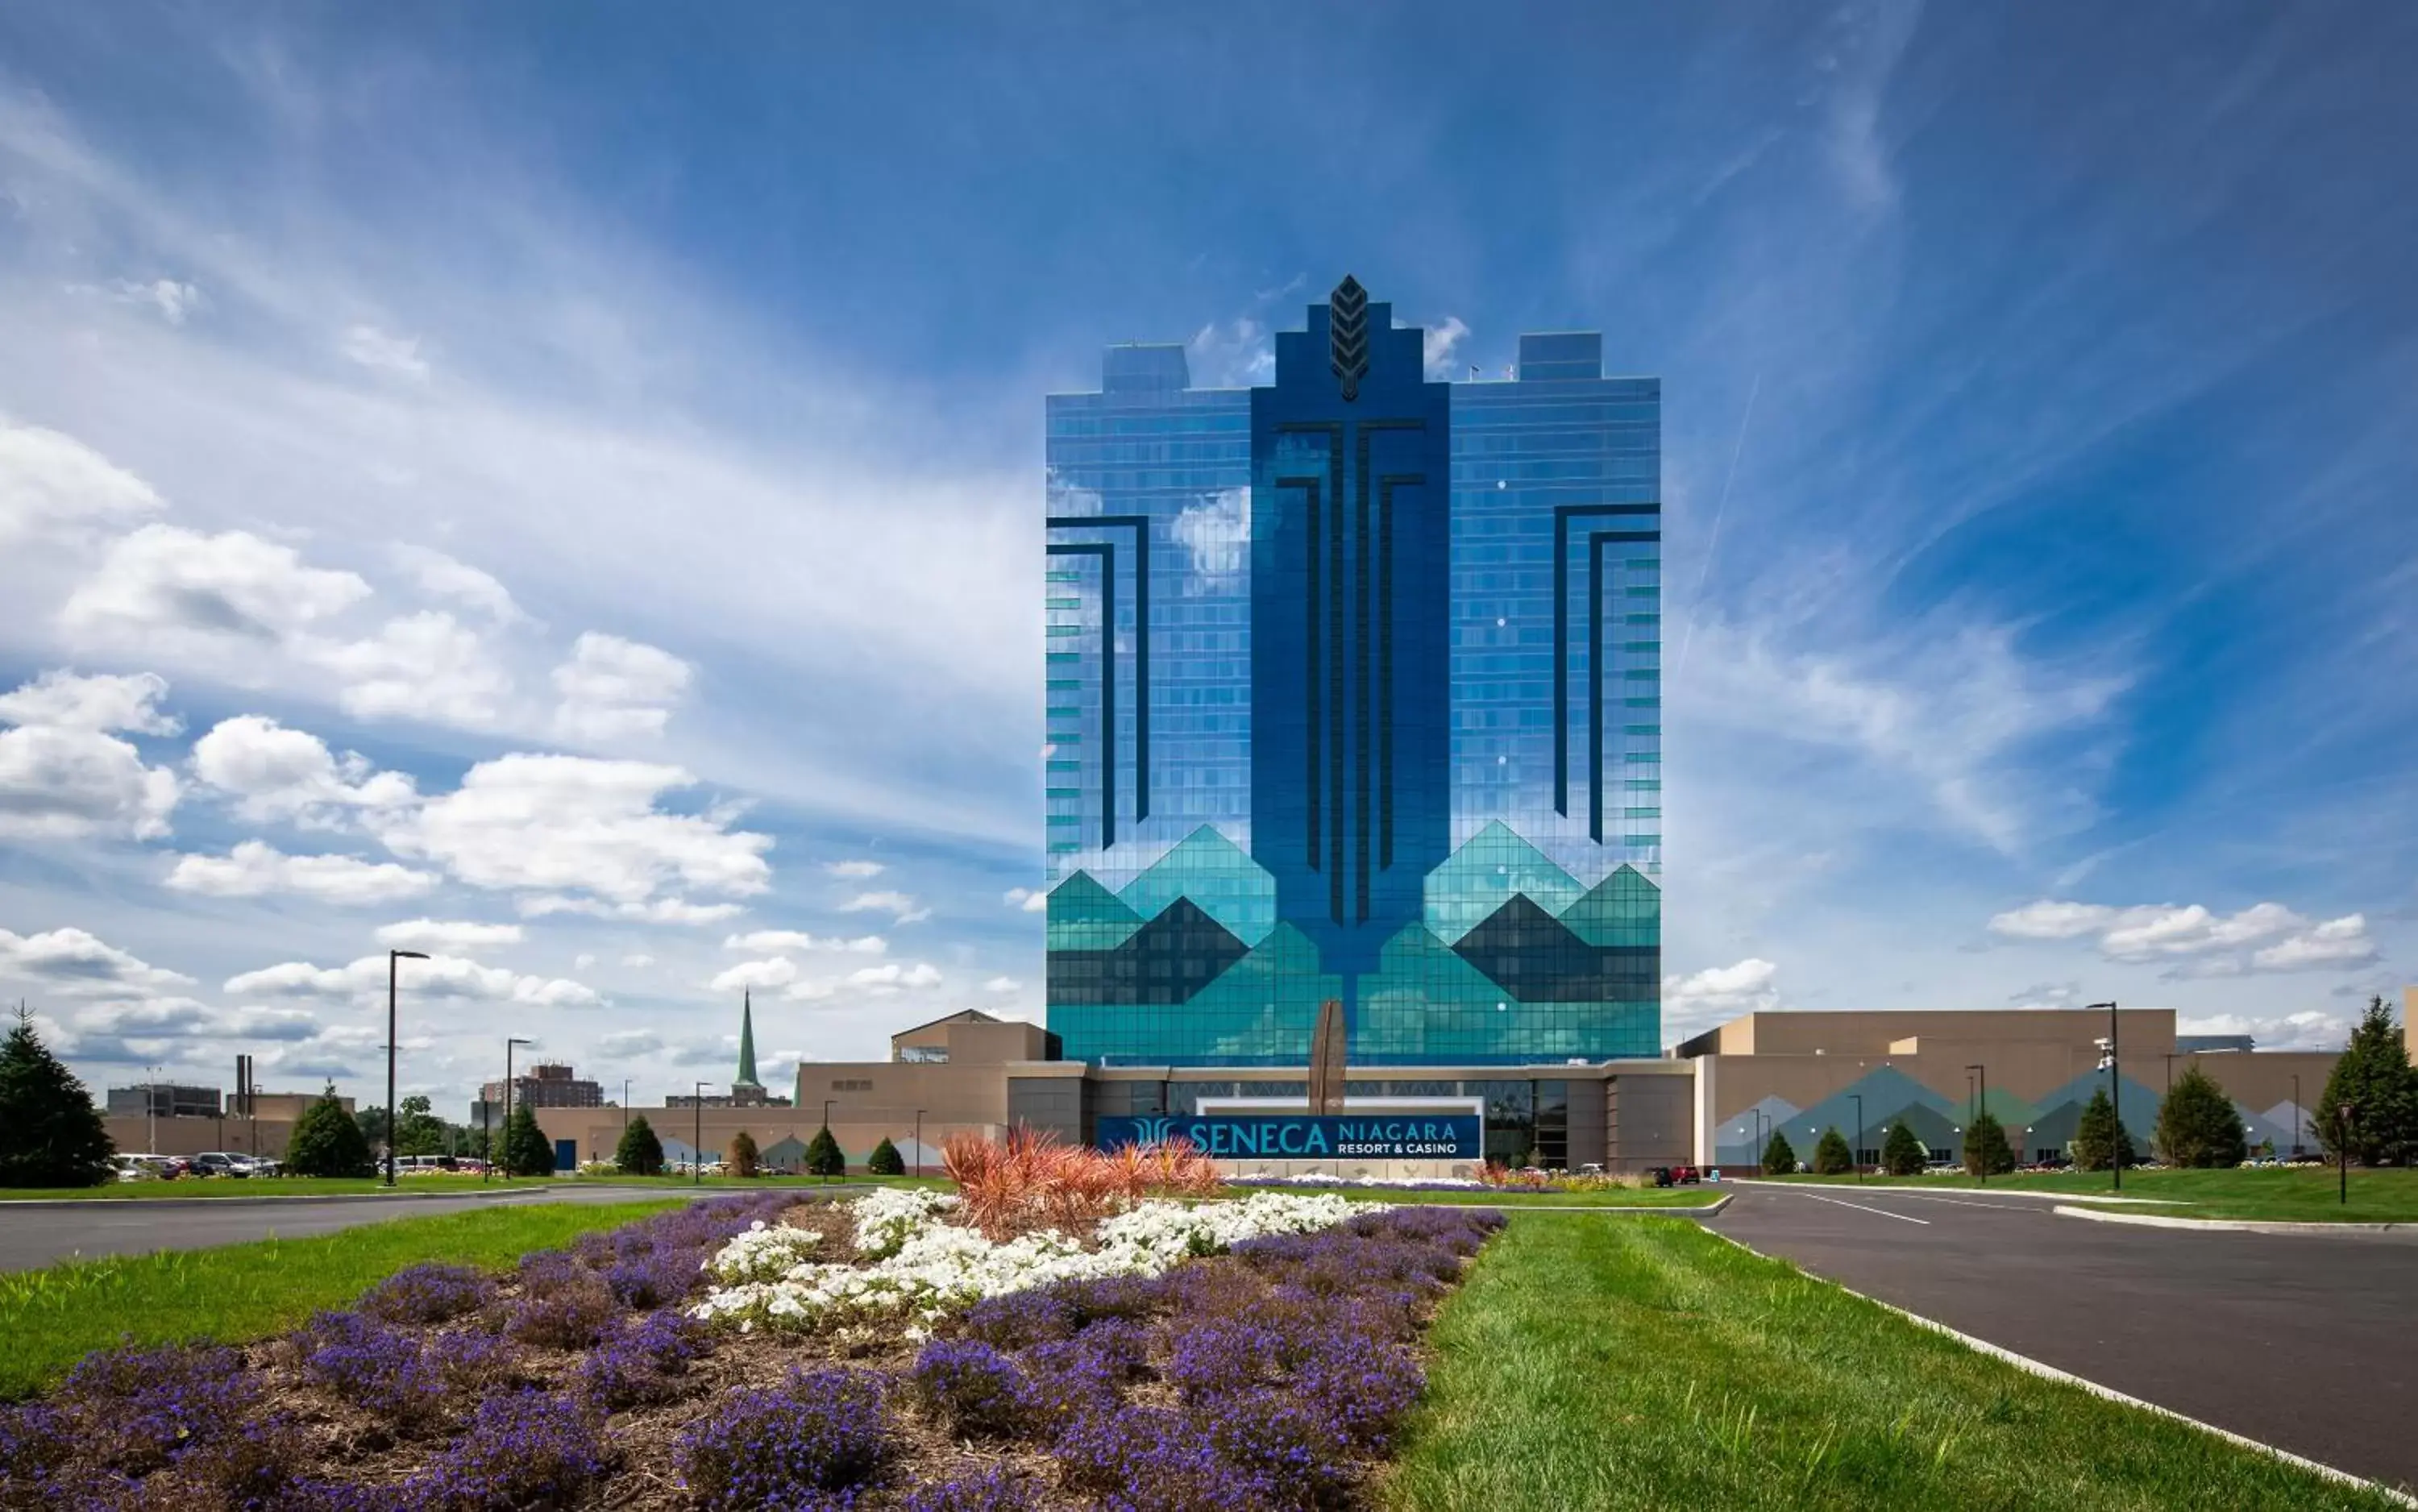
x: 2308, y: 1344
x: 34, y: 1234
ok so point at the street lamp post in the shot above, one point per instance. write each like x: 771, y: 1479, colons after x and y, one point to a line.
x: 1983, y: 1073
x: 509, y: 1043
x: 2342, y: 1147
x: 152, y: 1110
x: 697, y: 1134
x: 919, y: 1144
x: 392, y: 956
x: 1858, y: 1098
x: 2115, y: 1093
x: 2296, y: 1115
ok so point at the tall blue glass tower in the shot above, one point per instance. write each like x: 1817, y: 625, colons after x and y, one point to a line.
x: 1353, y: 694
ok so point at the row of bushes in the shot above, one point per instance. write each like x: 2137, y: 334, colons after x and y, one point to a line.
x: 641, y: 1153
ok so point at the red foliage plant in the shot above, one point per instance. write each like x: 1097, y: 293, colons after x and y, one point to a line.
x: 1032, y: 1180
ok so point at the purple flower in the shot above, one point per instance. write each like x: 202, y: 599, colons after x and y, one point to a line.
x: 811, y: 1443
x: 428, y: 1293
x: 1021, y: 1319
x: 469, y: 1359
x: 652, y: 1279
x: 570, y: 1316
x: 1216, y: 1359
x: 137, y: 1409
x: 971, y: 1387
x: 1150, y: 1459
x: 545, y: 1271
x: 993, y: 1491
x: 641, y: 1363
x: 524, y: 1449
x: 372, y: 1366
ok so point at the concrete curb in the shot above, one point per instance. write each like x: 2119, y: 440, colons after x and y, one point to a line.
x: 1507, y: 1209
x: 2407, y: 1233
x: 2049, y: 1372
x: 1963, y: 1191
x: 493, y: 1194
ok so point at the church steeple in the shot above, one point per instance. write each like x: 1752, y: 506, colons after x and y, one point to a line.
x: 747, y: 1045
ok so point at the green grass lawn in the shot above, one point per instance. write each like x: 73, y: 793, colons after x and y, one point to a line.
x: 2389, y: 1196
x: 51, y: 1317
x: 1654, y: 1365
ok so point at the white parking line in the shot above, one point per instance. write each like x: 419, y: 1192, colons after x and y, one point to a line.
x: 1860, y: 1207
x: 1961, y: 1202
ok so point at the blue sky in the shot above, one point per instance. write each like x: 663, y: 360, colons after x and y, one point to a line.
x: 570, y: 476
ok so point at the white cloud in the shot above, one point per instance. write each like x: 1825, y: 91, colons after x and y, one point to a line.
x: 583, y: 960
x: 614, y: 688
x: 2336, y: 942
x: 1232, y: 356
x: 380, y: 352
x: 1718, y: 993
x: 63, y: 700
x: 2048, y: 919
x: 2306, y: 1031
x: 899, y: 904
x: 174, y: 301
x: 51, y: 483
x: 778, y: 971
x: 254, y: 868
x: 1217, y: 532
x: 440, y: 976
x: 797, y: 939
x: 164, y: 588
x: 1439, y: 344
x: 1955, y: 712
x: 427, y: 666
x: 891, y: 976
x: 79, y: 964
x: 853, y: 868
x: 2203, y: 942
x: 276, y: 773
x: 1030, y: 899
x: 556, y: 823
x: 443, y: 577
x: 1002, y: 985
x: 637, y: 961
x: 68, y: 783
x: 446, y: 934
x: 660, y: 911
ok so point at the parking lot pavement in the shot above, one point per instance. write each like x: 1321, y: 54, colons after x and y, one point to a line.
x: 2308, y: 1344
x: 33, y: 1235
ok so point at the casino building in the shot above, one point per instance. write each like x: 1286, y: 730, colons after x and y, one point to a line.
x: 1354, y: 695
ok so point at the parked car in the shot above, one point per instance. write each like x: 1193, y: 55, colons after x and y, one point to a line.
x: 223, y: 1163
x: 1686, y: 1175
x: 261, y: 1164
x: 152, y: 1167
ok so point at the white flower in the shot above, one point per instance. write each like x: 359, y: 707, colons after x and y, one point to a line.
x: 923, y: 1269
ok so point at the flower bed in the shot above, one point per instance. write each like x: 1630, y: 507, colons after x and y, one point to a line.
x: 1270, y: 1368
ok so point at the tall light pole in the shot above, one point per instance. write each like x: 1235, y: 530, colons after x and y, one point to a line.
x: 2115, y: 1092
x: 919, y: 1144
x: 392, y: 956
x: 2342, y: 1147
x: 1984, y: 1072
x: 1858, y: 1098
x: 152, y: 1110
x: 696, y: 1134
x: 2296, y: 1115
x: 509, y: 1043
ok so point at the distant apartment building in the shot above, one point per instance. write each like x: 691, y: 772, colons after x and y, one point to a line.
x: 547, y: 1086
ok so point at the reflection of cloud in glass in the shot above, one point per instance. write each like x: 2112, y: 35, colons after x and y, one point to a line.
x: 1217, y: 532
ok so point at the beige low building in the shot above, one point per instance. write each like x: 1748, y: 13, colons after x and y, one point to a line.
x: 1714, y: 1100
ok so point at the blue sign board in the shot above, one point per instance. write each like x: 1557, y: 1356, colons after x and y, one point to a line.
x: 1301, y: 1136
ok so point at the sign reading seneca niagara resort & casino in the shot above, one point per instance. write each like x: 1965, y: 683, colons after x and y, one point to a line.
x: 1302, y: 1136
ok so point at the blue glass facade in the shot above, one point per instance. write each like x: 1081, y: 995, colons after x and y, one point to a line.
x: 1353, y: 694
